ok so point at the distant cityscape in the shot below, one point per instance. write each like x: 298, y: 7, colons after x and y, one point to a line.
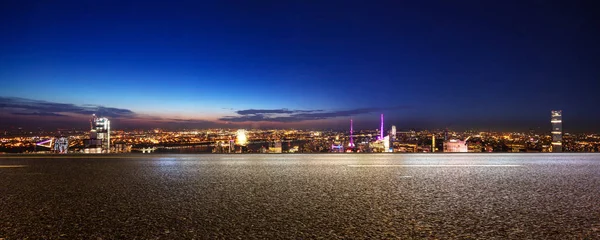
x: 101, y: 139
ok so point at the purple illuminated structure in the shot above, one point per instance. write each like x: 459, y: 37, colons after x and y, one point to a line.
x: 381, y: 130
x: 351, y: 135
x: 44, y: 142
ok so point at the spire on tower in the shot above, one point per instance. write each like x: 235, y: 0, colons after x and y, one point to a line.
x: 351, y: 134
x: 381, y: 130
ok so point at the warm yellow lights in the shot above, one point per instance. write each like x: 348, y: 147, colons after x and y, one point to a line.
x: 241, y: 137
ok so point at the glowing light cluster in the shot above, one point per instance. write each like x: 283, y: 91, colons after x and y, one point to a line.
x: 241, y: 137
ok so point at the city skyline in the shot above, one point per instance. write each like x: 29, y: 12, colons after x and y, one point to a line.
x: 470, y: 65
x: 344, y: 124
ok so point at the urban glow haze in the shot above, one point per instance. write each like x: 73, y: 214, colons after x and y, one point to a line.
x: 500, y: 65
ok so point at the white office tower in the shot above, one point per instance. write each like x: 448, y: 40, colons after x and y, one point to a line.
x: 100, y: 133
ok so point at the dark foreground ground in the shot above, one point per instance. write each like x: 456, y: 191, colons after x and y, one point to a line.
x: 457, y: 196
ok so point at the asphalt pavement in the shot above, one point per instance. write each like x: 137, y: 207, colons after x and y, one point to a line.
x: 293, y: 196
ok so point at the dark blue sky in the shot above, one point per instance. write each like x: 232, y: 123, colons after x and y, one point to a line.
x: 498, y: 65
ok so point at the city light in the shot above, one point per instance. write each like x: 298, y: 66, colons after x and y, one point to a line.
x: 299, y: 120
x: 241, y: 137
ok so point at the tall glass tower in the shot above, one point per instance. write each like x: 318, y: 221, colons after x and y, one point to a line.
x: 556, y: 120
x: 101, y: 131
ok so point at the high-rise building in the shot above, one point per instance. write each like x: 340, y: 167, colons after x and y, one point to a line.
x: 556, y: 120
x: 393, y: 132
x: 386, y: 144
x: 446, y: 134
x: 61, y: 145
x: 101, y: 131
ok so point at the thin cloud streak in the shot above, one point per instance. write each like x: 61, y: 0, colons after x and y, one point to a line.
x: 23, y: 106
x: 273, y: 111
x: 33, y: 110
x: 39, y: 114
x: 274, y: 115
x: 74, y: 115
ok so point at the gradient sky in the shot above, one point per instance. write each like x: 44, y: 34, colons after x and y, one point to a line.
x: 499, y: 65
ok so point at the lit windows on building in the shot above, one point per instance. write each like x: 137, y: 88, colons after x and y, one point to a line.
x: 556, y: 121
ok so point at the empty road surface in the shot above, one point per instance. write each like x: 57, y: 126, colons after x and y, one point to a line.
x: 356, y: 196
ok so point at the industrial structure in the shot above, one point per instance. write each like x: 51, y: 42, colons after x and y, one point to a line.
x: 556, y: 120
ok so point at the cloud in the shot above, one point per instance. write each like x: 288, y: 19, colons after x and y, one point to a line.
x: 23, y: 106
x: 343, y: 113
x: 19, y: 108
x: 273, y: 111
x: 41, y: 114
x: 285, y: 116
x: 262, y: 111
x: 191, y: 121
x: 20, y: 111
x: 258, y: 118
x: 149, y: 122
x: 113, y: 112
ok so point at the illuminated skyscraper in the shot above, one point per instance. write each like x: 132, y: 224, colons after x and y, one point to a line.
x: 61, y: 145
x: 433, y: 143
x: 101, y: 131
x: 556, y: 120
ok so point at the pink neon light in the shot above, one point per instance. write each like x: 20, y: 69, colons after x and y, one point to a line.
x: 43, y: 142
x: 351, y: 133
x: 381, y: 131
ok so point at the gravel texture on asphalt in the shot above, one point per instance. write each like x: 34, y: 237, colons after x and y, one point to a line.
x: 346, y: 196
